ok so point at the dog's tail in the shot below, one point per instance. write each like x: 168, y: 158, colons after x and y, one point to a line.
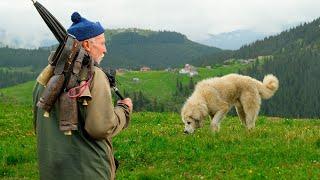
x: 269, y: 86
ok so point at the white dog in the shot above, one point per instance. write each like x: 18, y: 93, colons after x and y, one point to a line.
x: 216, y: 96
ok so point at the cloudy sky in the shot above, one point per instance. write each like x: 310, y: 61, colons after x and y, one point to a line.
x: 195, y: 18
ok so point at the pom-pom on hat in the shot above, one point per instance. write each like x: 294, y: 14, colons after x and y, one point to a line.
x: 83, y: 29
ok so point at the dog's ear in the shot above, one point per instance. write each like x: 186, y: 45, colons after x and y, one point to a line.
x: 197, y: 123
x: 203, y: 110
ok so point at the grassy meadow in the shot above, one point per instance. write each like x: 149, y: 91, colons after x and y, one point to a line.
x: 159, y: 84
x: 154, y: 146
x: 162, y: 84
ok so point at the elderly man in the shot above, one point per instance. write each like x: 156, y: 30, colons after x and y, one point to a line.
x: 87, y: 153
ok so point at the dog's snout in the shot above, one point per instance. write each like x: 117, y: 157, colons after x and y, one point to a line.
x: 186, y: 132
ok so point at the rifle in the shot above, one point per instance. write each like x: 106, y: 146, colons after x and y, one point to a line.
x: 111, y: 75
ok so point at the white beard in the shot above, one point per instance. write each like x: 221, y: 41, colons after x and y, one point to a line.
x: 98, y: 60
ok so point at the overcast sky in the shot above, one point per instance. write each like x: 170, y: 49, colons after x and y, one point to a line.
x: 194, y: 18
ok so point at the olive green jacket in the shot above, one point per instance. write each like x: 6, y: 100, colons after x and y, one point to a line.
x: 87, y: 153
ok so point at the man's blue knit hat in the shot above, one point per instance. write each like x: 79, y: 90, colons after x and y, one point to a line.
x: 83, y: 29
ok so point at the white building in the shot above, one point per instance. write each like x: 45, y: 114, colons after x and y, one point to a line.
x: 188, y: 69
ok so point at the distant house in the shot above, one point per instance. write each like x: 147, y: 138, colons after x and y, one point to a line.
x: 229, y: 61
x: 121, y: 70
x: 145, y: 68
x: 188, y: 69
x: 251, y: 60
x: 208, y: 67
x: 246, y: 61
x: 265, y: 57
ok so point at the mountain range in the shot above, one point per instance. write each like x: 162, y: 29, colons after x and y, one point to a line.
x: 228, y: 40
x: 127, y: 48
x: 233, y: 40
x: 157, y: 49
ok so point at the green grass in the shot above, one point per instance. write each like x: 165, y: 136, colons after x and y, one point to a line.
x: 18, y: 143
x: 154, y: 147
x: 21, y: 93
x: 27, y: 69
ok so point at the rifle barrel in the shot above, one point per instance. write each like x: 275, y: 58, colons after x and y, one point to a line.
x: 116, y: 90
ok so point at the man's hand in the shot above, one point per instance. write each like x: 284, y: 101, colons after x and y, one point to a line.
x: 128, y: 102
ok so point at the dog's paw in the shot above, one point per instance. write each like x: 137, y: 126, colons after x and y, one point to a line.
x: 250, y: 126
x: 215, y: 127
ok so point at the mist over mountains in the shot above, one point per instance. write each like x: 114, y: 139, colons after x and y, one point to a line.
x: 228, y: 40
x: 233, y: 40
x: 32, y: 41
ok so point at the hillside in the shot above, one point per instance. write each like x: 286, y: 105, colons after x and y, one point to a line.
x: 155, y: 49
x: 295, y: 62
x: 154, y: 90
x: 20, y: 94
x: 14, y: 75
x: 154, y: 83
x: 303, y: 35
x: 126, y: 48
x: 298, y: 73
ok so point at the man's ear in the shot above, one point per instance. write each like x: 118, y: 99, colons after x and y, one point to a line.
x: 85, y: 45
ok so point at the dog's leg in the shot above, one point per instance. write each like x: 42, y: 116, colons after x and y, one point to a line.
x: 251, y: 121
x: 251, y: 107
x: 216, y: 120
x: 241, y: 113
